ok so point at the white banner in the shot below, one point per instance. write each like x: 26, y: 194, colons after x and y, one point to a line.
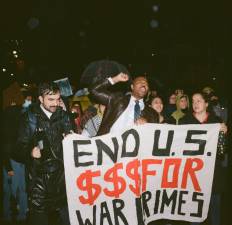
x: 149, y: 172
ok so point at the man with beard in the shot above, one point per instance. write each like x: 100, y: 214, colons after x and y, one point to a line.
x: 121, y: 110
x: 39, y: 146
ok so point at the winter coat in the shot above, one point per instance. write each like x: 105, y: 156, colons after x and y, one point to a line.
x: 10, y: 125
x: 46, y: 174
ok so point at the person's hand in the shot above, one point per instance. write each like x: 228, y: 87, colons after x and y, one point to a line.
x: 121, y: 77
x: 223, y: 128
x: 140, y: 121
x: 35, y: 153
x: 68, y: 134
x: 62, y: 105
x: 10, y: 173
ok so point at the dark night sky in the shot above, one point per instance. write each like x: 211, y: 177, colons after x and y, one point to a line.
x: 189, y: 48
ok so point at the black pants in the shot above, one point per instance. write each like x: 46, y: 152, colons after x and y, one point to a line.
x: 59, y: 217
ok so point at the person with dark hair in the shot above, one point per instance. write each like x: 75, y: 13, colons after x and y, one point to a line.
x: 218, y: 106
x: 148, y: 115
x: 170, y: 107
x: 39, y: 146
x: 156, y: 103
x: 201, y: 115
x: 76, y: 114
x: 121, y: 110
x: 48, y: 88
x: 28, y: 98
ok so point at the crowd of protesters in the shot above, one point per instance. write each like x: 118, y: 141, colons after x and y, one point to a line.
x: 33, y: 175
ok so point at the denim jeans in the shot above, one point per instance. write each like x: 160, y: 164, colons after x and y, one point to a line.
x: 15, y: 186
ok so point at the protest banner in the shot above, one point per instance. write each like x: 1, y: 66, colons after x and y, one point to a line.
x: 149, y: 172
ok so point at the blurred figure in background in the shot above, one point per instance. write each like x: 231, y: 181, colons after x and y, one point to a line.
x: 170, y: 107
x: 76, y: 114
x: 89, y: 113
x: 14, y: 179
x: 28, y: 98
x: 218, y: 106
x: 179, y: 92
x: 93, y: 124
x: 182, y: 107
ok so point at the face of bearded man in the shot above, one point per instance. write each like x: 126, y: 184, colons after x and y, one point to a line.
x: 50, y: 101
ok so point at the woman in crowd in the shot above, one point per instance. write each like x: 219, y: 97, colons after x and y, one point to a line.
x: 182, y: 107
x: 201, y: 115
x: 157, y: 104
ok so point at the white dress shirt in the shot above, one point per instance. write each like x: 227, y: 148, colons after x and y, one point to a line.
x: 48, y: 114
x: 126, y: 119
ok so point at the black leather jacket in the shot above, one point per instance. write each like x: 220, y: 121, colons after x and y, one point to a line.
x: 115, y: 104
x: 46, y: 175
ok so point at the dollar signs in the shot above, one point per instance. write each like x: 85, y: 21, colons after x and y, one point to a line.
x: 119, y: 184
x: 132, y: 171
x: 85, y: 183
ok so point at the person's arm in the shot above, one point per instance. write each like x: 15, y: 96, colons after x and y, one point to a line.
x: 121, y: 77
x: 223, y: 128
x: 25, y: 141
x: 8, y: 139
x: 6, y: 160
x: 100, y: 90
x: 6, y: 157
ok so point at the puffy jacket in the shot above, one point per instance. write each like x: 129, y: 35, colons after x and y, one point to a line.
x: 46, y: 175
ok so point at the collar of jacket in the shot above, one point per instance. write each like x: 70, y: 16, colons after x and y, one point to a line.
x: 36, y: 109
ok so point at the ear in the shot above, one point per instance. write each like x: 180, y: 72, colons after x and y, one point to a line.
x: 41, y: 99
x: 207, y: 104
x: 132, y: 87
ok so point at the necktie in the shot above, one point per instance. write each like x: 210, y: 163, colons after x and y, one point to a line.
x: 136, y: 110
